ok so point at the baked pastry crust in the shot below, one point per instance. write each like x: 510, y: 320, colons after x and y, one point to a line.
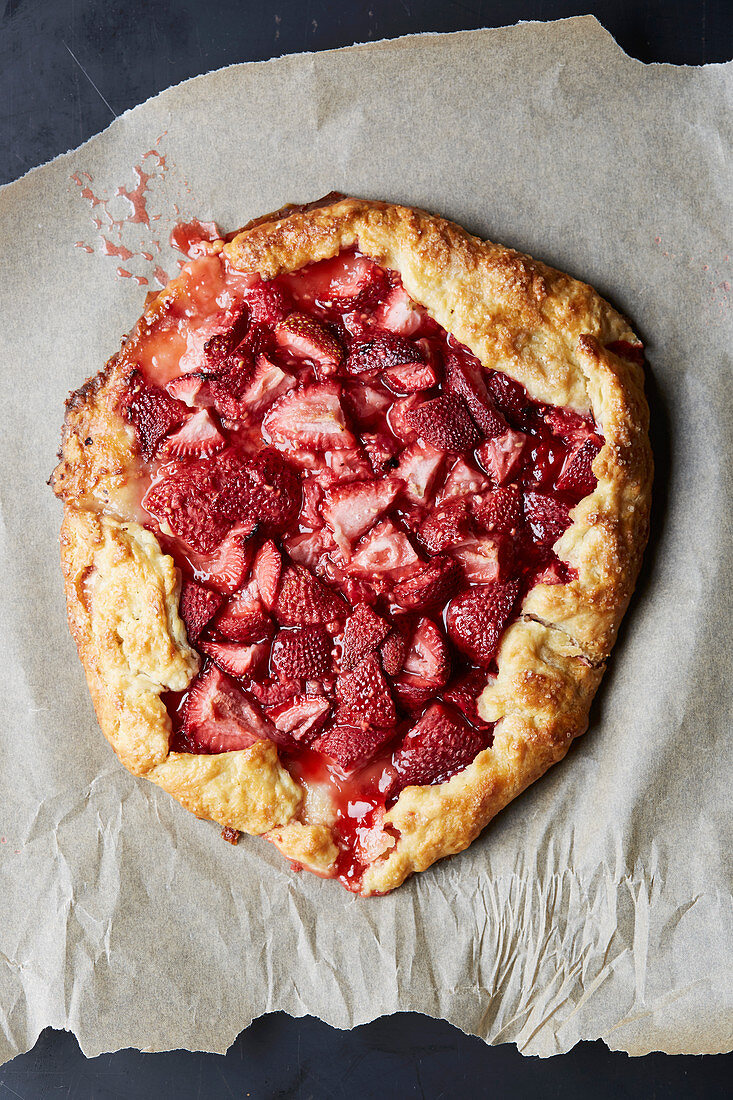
x: 542, y: 328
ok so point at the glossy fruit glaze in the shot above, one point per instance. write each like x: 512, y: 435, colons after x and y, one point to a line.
x: 357, y: 508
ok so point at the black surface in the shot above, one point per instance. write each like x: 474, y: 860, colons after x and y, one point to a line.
x: 66, y: 68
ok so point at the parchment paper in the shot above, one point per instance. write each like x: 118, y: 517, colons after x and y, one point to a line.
x: 599, y: 904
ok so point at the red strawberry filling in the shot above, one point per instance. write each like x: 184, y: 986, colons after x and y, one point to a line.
x: 358, y: 508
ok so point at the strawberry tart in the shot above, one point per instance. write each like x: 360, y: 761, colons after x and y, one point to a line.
x: 350, y: 523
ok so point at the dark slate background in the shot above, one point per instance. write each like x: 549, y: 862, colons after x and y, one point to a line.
x: 66, y: 68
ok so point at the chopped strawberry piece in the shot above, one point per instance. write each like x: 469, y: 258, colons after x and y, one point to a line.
x: 508, y: 395
x: 466, y: 380
x: 219, y: 347
x: 309, y: 548
x: 486, y: 559
x: 476, y: 619
x: 312, y: 417
x: 393, y: 650
x: 244, y: 620
x: 268, y: 303
x: 302, y: 653
x: 199, y: 436
x: 198, y: 606
x: 440, y: 745
x: 571, y: 426
x: 462, y: 481
x: 502, y: 457
x: 253, y: 393
x: 554, y: 572
x: 625, y: 350
x: 273, y: 692
x: 348, y: 465
x: 345, y: 282
x: 349, y: 510
x: 365, y: 404
x: 266, y: 572
x: 465, y: 695
x: 547, y: 517
x: 418, y: 467
x: 303, y: 600
x: 192, y: 389
x: 381, y: 451
x: 301, y: 716
x: 304, y: 337
x: 398, y: 313
x: 201, y: 501
x: 499, y: 512
x: 398, y: 418
x: 152, y: 412
x: 445, y: 423
x: 363, y: 632
x: 219, y: 717
x: 237, y: 660
x: 380, y: 353
x: 427, y: 655
x: 577, y: 477
x: 411, y: 378
x: 446, y: 528
x: 385, y: 550
x: 364, y: 697
x: 433, y: 584
x: 227, y: 567
x: 350, y: 747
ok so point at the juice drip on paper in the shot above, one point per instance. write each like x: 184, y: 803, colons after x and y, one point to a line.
x: 124, y: 222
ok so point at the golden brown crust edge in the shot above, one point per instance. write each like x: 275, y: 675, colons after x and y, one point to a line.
x: 537, y: 325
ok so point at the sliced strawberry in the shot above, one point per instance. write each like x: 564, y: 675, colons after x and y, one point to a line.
x: 433, y: 584
x: 199, y: 437
x: 243, y: 619
x: 266, y: 572
x: 348, y: 465
x: 385, y: 550
x: 259, y: 389
x: 502, y: 456
x: 547, y: 517
x: 305, y: 338
x: 303, y: 653
x: 577, y: 477
x: 465, y: 378
x: 393, y: 650
x: 311, y: 417
x: 381, y: 353
x: 398, y: 418
x: 508, y: 395
x: 465, y: 693
x: 486, y: 559
x: 476, y: 619
x: 440, y: 745
x: 309, y: 548
x: 362, y: 634
x: 303, y: 600
x: 446, y: 528
x: 237, y: 660
x: 219, y: 347
x: 192, y: 389
x: 398, y: 313
x: 301, y: 716
x: 218, y: 717
x: 227, y: 567
x: 411, y: 378
x: 364, y: 697
x: 418, y: 467
x: 350, y: 747
x: 571, y: 426
x: 349, y: 510
x: 499, y: 512
x: 269, y: 303
x: 445, y: 423
x: 152, y: 412
x: 201, y: 501
x: 381, y: 450
x: 357, y: 591
x: 427, y: 655
x: 462, y: 481
x: 198, y: 606
x: 345, y: 282
x: 274, y: 692
x: 366, y: 404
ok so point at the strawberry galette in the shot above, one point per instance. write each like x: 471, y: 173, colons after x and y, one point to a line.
x: 350, y: 523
